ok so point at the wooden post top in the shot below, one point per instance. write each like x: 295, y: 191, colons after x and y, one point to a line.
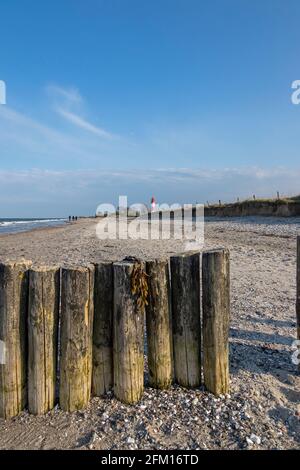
x: 128, y: 261
x: 13, y: 264
x: 44, y: 268
x: 186, y: 254
x: 217, y: 250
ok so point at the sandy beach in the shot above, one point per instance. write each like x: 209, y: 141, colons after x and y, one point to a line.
x: 263, y: 408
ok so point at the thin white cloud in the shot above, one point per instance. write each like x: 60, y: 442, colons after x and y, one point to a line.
x: 24, y: 137
x: 167, y: 175
x: 83, y: 124
x: 34, y: 137
x: 70, y: 94
x: 68, y: 104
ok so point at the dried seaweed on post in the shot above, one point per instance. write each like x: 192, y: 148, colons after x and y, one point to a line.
x: 139, y: 285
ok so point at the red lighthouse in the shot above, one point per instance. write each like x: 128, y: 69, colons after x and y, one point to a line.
x: 153, y: 203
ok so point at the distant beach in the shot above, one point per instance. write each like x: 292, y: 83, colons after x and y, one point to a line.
x: 263, y: 401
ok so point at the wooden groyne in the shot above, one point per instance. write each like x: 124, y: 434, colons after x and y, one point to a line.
x: 298, y: 289
x: 185, y: 279
x: 13, y: 331
x: 216, y: 316
x: 102, y: 377
x: 73, y: 333
x: 159, y: 325
x: 76, y: 337
x: 43, y: 316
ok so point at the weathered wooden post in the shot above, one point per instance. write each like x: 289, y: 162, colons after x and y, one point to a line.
x: 13, y: 335
x: 128, y: 338
x: 185, y: 281
x: 298, y: 288
x: 102, y: 380
x: 216, y: 312
x: 43, y: 311
x: 76, y: 338
x: 158, y: 320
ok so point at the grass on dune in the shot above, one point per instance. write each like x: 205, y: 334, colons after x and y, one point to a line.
x: 252, y: 201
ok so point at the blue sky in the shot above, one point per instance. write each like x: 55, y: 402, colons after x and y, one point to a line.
x: 188, y: 100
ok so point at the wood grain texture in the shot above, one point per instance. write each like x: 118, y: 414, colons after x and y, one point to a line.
x: 159, y: 327
x: 76, y: 337
x: 13, y: 334
x: 298, y: 288
x: 43, y: 311
x: 185, y: 281
x: 128, y: 337
x: 216, y: 315
x: 102, y: 380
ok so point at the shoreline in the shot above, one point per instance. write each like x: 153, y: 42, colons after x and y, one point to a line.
x: 32, y: 229
x: 215, y: 219
x: 36, y: 229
